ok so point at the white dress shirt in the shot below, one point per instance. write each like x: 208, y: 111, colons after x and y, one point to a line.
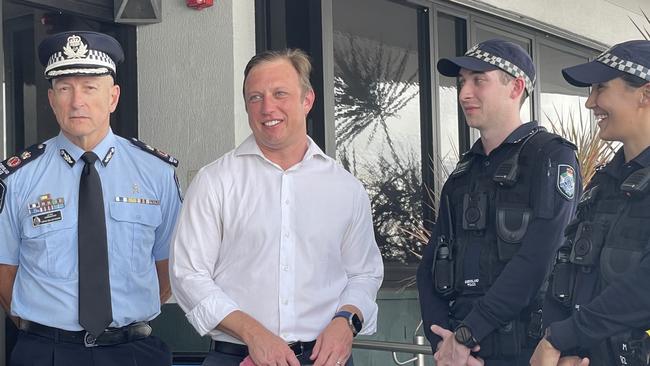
x: 289, y: 248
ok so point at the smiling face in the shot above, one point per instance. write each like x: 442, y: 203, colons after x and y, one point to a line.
x: 82, y: 106
x: 277, y: 107
x: 616, y: 107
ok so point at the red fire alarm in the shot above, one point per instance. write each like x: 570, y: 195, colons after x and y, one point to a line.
x: 200, y: 4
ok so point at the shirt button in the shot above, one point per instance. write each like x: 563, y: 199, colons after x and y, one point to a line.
x: 285, y: 267
x: 286, y: 235
x: 486, y: 163
x: 285, y: 302
x: 286, y: 202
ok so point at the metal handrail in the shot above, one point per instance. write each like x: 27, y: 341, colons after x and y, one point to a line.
x: 392, y: 346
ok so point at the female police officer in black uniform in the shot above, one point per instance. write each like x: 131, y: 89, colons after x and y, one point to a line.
x: 598, y: 305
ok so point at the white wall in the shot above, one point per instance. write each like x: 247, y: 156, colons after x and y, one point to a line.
x: 604, y: 21
x: 189, y: 81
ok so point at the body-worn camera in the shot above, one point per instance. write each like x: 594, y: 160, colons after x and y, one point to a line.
x: 588, y: 242
x: 474, y: 210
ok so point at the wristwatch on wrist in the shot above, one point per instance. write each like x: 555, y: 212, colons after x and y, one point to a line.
x: 463, y: 335
x: 353, y: 319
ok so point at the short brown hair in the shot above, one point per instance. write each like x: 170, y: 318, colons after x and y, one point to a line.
x: 506, y: 78
x: 297, y: 57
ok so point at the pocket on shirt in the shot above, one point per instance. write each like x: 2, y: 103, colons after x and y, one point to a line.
x: 50, y: 249
x: 137, y: 225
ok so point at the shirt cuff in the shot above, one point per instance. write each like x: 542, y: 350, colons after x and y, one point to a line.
x: 563, y: 335
x: 205, y: 316
x: 480, y: 326
x: 368, y: 308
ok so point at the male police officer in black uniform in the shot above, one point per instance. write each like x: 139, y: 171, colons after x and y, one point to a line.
x: 501, y: 217
x: 599, y: 296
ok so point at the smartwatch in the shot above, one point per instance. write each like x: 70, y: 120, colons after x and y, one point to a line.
x: 353, y: 319
x: 463, y: 335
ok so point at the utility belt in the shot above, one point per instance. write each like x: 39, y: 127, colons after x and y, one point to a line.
x: 110, y: 336
x: 509, y: 340
x: 631, y: 348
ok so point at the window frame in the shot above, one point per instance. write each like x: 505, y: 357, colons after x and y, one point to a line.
x: 475, y: 15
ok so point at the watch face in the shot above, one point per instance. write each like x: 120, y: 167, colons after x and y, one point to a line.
x: 356, y: 323
x: 464, y: 336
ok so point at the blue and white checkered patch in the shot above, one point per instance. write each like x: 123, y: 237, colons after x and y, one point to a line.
x: 629, y: 67
x: 566, y: 181
x: 502, y: 64
x: 101, y: 61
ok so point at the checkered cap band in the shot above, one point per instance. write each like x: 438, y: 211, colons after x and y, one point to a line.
x: 504, y: 65
x: 629, y: 67
x: 94, y: 58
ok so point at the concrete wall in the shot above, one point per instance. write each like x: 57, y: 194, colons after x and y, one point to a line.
x: 604, y: 21
x: 189, y: 81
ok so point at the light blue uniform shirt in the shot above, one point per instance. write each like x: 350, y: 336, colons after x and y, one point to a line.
x: 38, y: 230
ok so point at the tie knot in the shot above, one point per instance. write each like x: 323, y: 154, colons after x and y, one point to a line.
x: 89, y: 157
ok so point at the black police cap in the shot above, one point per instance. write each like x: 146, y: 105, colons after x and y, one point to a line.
x: 490, y: 55
x: 631, y: 57
x: 80, y: 53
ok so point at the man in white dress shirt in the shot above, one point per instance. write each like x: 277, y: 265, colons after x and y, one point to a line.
x: 274, y: 254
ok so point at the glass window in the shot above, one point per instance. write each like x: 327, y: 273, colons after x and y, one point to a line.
x: 452, y: 37
x: 377, y: 114
x: 562, y: 105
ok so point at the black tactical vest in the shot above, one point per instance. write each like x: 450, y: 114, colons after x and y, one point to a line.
x: 489, y: 218
x: 606, y: 241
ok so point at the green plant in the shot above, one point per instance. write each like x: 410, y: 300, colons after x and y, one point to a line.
x: 644, y: 32
x: 592, y: 150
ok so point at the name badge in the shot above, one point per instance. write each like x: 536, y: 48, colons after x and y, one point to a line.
x: 47, y: 218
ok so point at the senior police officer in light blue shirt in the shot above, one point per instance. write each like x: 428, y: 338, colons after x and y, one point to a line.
x: 85, y: 223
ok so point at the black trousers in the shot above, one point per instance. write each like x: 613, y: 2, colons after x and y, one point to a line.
x: 33, y: 350
x: 223, y: 359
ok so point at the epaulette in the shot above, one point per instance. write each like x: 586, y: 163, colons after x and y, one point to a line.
x: 14, y: 163
x: 155, y: 152
x: 17, y: 161
x: 600, y: 167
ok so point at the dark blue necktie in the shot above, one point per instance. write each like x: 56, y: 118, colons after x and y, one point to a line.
x: 95, y: 313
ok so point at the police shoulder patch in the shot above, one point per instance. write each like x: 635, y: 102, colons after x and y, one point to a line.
x: 17, y: 161
x: 566, y: 181
x: 155, y: 152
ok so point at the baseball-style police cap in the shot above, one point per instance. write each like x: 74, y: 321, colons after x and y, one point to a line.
x: 631, y: 57
x: 490, y: 55
x: 79, y: 53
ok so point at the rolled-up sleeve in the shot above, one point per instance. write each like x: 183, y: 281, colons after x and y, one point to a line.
x: 194, y: 256
x: 363, y: 264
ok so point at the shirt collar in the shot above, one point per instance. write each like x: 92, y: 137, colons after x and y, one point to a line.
x: 104, y: 150
x: 515, y: 136
x: 613, y: 168
x: 250, y: 147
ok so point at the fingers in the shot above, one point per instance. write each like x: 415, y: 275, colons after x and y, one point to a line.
x: 474, y: 361
x: 316, y: 350
x: 293, y: 360
x: 584, y: 362
x: 440, y: 331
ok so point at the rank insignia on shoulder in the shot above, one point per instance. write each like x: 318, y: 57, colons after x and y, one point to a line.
x: 155, y: 152
x: 17, y: 161
x: 462, y: 167
x: 566, y: 181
